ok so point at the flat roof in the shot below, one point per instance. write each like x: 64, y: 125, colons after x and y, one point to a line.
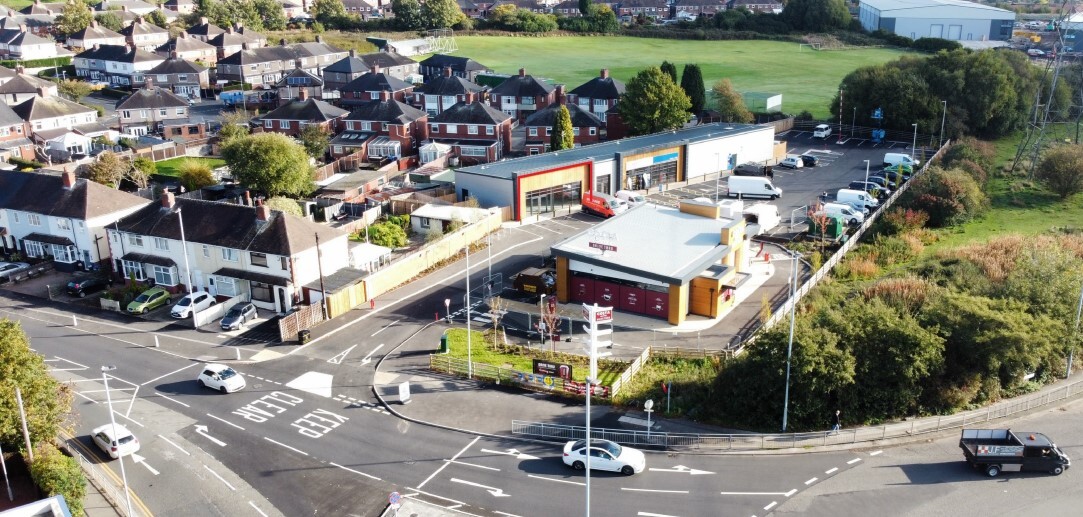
x: 652, y: 241
x: 509, y: 169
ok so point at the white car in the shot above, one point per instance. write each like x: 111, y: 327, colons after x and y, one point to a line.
x: 220, y: 377
x: 192, y: 302
x: 122, y: 443
x: 604, y: 455
x: 792, y: 162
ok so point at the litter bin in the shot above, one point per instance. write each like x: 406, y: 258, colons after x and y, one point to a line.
x: 443, y: 344
x: 304, y: 336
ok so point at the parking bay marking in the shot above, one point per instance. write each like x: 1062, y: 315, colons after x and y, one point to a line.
x: 160, y: 377
x: 658, y: 491
x: 557, y: 480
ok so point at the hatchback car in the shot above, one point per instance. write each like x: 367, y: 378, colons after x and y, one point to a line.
x: 238, y: 315
x: 792, y: 162
x: 808, y: 160
x: 871, y: 188
x: 191, y: 303
x: 604, y: 455
x: 882, y: 181
x: 149, y: 300
x: 8, y: 270
x: 116, y: 441
x: 83, y: 286
x: 220, y: 377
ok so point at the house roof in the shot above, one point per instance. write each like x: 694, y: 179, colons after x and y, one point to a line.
x: 375, y: 82
x: 454, y: 85
x: 390, y: 110
x: 350, y: 138
x: 119, y: 54
x: 630, y: 4
x: 40, y: 8
x: 38, y: 108
x: 278, y: 53
x: 21, y: 37
x: 313, y: 79
x: 308, y: 110
x: 8, y: 117
x: 457, y: 63
x: 177, y: 65
x: 94, y: 31
x: 185, y: 43
x: 23, y: 83
x: 152, y: 97
x: 547, y: 117
x: 132, y: 5
x: 522, y: 85
x: 350, y: 64
x: 600, y: 88
x: 228, y: 225
x: 471, y: 113
x: 141, y: 27
x: 386, y: 60
x: 205, y: 29
x: 7, y: 73
x: 45, y: 194
x: 230, y: 38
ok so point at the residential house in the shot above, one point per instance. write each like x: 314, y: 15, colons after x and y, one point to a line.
x: 120, y: 65
x: 191, y: 49
x: 181, y: 6
x: 133, y: 6
x: 38, y: 7
x: 368, y: 86
x: 24, y: 86
x: 94, y: 35
x: 227, y: 250
x: 692, y: 9
x: 397, y: 66
x: 290, y: 86
x: 236, y: 39
x: 443, y: 217
x: 39, y: 18
x: 521, y: 95
x: 149, y: 109
x: 292, y: 8
x: 477, y: 132
x: 444, y: 91
x: 527, y: 5
x: 23, y: 44
x: 291, y: 118
x: 586, y: 127
x: 204, y: 30
x: 598, y: 95
x: 437, y: 64
x: 756, y: 6
x: 398, y: 128
x: 471, y: 9
x: 62, y: 217
x: 145, y: 35
x: 183, y: 77
x: 265, y: 66
x: 657, y: 9
x: 14, y: 135
x: 569, y: 8
x: 45, y: 111
x: 368, y: 8
x: 337, y: 74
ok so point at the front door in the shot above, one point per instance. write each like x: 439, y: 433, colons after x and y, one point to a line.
x: 282, y: 307
x: 211, y: 288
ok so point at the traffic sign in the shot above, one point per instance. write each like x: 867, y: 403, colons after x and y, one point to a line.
x: 395, y: 499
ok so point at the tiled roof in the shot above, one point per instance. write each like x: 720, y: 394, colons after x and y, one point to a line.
x: 278, y: 53
x: 370, y: 82
x: 230, y: 39
x: 599, y: 88
x: 94, y: 31
x: 472, y: 113
x: 386, y: 111
x: 177, y: 66
x: 457, y: 63
x: 313, y: 79
x: 522, y: 86
x: 184, y: 44
x: 386, y: 60
x: 119, y: 53
x: 347, y: 65
x: 307, y: 110
x: 20, y: 37
x: 149, y: 98
x: 547, y: 117
x: 24, y: 83
x: 45, y: 194
x: 6, y: 73
x: 38, y: 108
x: 205, y: 29
x: 8, y: 117
x: 141, y: 27
x: 449, y: 86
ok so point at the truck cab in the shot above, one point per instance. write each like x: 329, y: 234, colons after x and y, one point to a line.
x: 1000, y: 450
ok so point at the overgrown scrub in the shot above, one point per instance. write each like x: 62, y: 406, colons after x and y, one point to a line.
x: 58, y: 474
x: 690, y: 382
x: 949, y: 196
x: 898, y: 220
x: 971, y: 149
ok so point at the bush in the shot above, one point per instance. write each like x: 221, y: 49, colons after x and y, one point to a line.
x: 37, y: 63
x: 57, y: 474
x: 25, y: 164
x: 949, y: 196
x: 899, y: 220
x: 933, y: 45
x: 969, y: 148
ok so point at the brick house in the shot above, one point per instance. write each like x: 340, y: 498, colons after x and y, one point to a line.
x: 149, y: 109
x: 120, y: 65
x: 657, y: 9
x: 24, y: 86
x: 181, y: 76
x: 94, y: 34
x: 337, y: 74
x: 145, y: 35
x: 14, y: 135
x: 597, y: 95
x: 521, y: 95
x: 398, y: 128
x: 397, y: 66
x: 236, y: 39
x: 204, y: 30
x: 190, y: 49
x: 290, y: 86
x: 291, y: 118
x: 756, y: 6
x: 368, y: 86
x: 267, y: 65
x: 23, y: 44
x: 444, y: 91
x: 437, y: 64
x: 477, y: 132
x: 688, y: 9
x: 586, y: 128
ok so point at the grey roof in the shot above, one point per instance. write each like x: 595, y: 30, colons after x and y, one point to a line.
x: 471, y: 113
x: 24, y: 83
x: 678, y: 247
x: 373, y: 82
x: 228, y: 225
x: 7, y: 73
x: 205, y: 29
x: 45, y: 194
x: 278, y: 53
x: 229, y: 38
x: 140, y: 27
x: 522, y: 86
x: 150, y: 98
x: 453, y: 85
x: 41, y: 8
x: 349, y: 138
x: 599, y: 88
x: 348, y: 65
x: 313, y: 79
x: 547, y: 117
x: 118, y: 53
x: 386, y: 60
x: 94, y: 31
x: 20, y: 37
x: 38, y: 108
x: 457, y: 63
x: 177, y: 66
x: 390, y: 110
x: 307, y: 110
x: 513, y: 168
x: 184, y: 44
x: 8, y: 117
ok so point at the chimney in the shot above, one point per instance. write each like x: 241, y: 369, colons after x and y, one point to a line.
x: 173, y: 54
x: 385, y: 96
x: 124, y: 8
x: 244, y: 46
x: 149, y: 82
x: 319, y: 38
x: 22, y: 27
x: 247, y: 198
x: 447, y: 71
x: 20, y: 70
x: 203, y: 20
x: 353, y: 52
x: 229, y: 30
x: 604, y: 74
x: 129, y: 48
x: 68, y: 178
x: 168, y: 199
x: 183, y: 35
x: 561, y: 99
x: 471, y: 97
x: 298, y: 63
x: 302, y: 94
x: 140, y: 20
x: 94, y: 24
x: 239, y: 26
x: 375, y: 69
x: 41, y: 92
x: 263, y: 212
x: 522, y: 72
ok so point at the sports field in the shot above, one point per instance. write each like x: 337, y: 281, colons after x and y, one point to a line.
x: 807, y: 79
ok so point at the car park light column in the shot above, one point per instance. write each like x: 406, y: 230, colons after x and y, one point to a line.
x: 789, y: 348
x: 866, y: 173
x: 943, y: 117
x: 915, y: 144
x: 1075, y: 333
x: 113, y: 422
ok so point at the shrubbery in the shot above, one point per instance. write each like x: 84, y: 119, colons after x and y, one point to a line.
x: 949, y: 196
x: 58, y: 474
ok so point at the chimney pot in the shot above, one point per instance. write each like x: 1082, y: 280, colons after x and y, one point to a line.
x: 522, y: 72
x: 447, y: 71
x: 375, y: 69
x: 282, y: 42
x: 229, y: 30
x: 353, y: 52
x: 263, y: 212
x: 203, y: 20
x: 68, y: 178
x: 22, y: 27
x: 605, y: 73
x: 140, y: 20
x: 302, y: 94
x: 94, y: 23
x: 173, y: 54
x: 20, y: 70
x: 247, y: 198
x: 168, y: 199
x: 149, y: 82
x: 385, y: 95
x: 41, y: 92
x: 319, y: 38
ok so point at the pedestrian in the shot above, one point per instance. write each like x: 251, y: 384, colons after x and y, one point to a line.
x: 838, y: 421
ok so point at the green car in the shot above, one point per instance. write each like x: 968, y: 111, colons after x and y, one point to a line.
x: 149, y: 300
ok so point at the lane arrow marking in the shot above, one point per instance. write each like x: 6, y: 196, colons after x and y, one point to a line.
x: 368, y: 358
x: 684, y: 470
x: 496, y: 492
x: 338, y: 358
x: 512, y: 452
x: 143, y: 461
x: 202, y: 429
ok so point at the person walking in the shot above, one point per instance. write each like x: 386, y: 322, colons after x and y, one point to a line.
x: 837, y: 421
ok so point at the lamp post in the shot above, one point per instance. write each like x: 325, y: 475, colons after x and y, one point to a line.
x: 718, y: 165
x: 943, y: 117
x: 541, y: 318
x: 447, y: 307
x: 853, y: 122
x: 866, y: 173
x: 648, y: 407
x: 469, y: 356
x: 789, y: 348
x: 1071, y: 351
x: 113, y: 422
x: 915, y: 144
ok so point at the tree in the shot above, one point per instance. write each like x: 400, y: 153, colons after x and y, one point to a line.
x: 140, y: 172
x: 270, y: 162
x: 195, y: 174
x: 234, y: 125
x: 286, y: 205
x: 271, y: 15
x: 315, y: 139
x: 110, y: 20
x: 585, y: 7
x: 327, y: 11
x: 1061, y: 169
x: 692, y: 84
x: 58, y: 474
x: 73, y: 90
x: 562, y: 136
x: 817, y: 15
x: 440, y: 14
x: 729, y: 103
x: 669, y: 69
x: 47, y: 402
x: 108, y: 169
x: 225, y: 13
x: 407, y: 14
x: 652, y: 102
x: 387, y: 234
x: 74, y: 17
x: 157, y: 17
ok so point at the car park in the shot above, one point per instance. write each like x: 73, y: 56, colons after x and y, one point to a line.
x: 604, y: 455
x: 808, y: 160
x: 87, y: 285
x: 238, y: 315
x: 149, y: 300
x: 115, y: 440
x: 8, y: 270
x: 871, y: 188
x: 220, y: 377
x: 821, y: 131
x: 192, y: 303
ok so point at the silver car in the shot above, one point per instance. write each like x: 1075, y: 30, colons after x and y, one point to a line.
x: 8, y: 270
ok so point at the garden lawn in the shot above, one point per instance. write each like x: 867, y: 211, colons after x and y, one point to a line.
x: 169, y: 167
x: 807, y: 79
x: 482, y: 352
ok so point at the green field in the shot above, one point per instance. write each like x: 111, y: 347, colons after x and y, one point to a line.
x: 169, y: 167
x: 807, y: 79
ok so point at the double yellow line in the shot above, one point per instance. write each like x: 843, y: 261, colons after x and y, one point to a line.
x: 137, y: 504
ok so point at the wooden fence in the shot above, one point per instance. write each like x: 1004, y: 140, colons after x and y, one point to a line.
x: 344, y: 164
x: 305, y: 317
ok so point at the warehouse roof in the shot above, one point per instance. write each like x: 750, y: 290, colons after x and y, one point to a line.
x: 937, y: 9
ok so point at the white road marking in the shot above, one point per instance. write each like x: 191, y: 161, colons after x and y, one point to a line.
x: 453, y: 458
x: 791, y: 492
x: 338, y: 358
x: 385, y: 327
x: 772, y: 505
x: 832, y: 471
x: 648, y: 514
x: 126, y: 417
x: 256, y: 508
x: 171, y: 399
x: 855, y: 460
x: 876, y: 453
x: 355, y: 471
x: 202, y: 430
x: 473, y: 465
x: 143, y: 461
x: 505, y: 513
x: 557, y: 480
x: 315, y: 383
x: 220, y: 478
x: 224, y: 421
x: 659, y: 491
x: 170, y: 373
x: 170, y: 442
x: 811, y: 481
x: 294, y: 449
x: 81, y: 367
x: 512, y: 452
x: 368, y: 358
x: 430, y: 494
x: 683, y: 469
x: 495, y: 492
x: 756, y: 493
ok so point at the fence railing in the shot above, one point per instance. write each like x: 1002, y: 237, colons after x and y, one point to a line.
x: 753, y: 441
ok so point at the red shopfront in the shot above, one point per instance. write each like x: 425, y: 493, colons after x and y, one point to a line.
x: 626, y: 297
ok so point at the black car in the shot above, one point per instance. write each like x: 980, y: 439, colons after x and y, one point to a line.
x: 882, y: 181
x: 238, y: 315
x: 871, y: 188
x: 808, y: 160
x: 83, y: 286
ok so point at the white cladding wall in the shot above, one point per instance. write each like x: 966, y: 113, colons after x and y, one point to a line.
x: 749, y: 147
x: 488, y: 190
x: 957, y: 29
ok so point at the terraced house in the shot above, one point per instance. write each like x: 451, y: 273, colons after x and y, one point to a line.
x: 120, y: 65
x: 265, y: 66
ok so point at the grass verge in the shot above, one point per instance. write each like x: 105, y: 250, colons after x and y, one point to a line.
x: 484, y: 350
x: 170, y: 167
x: 691, y: 381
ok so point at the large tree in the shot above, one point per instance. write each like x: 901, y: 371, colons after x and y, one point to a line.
x: 407, y: 14
x: 325, y: 11
x: 46, y: 401
x: 73, y: 90
x: 271, y: 15
x: 562, y: 135
x: 585, y: 7
x: 108, y: 169
x: 315, y: 139
x: 729, y: 103
x: 234, y: 124
x: 652, y: 102
x: 692, y: 84
x: 74, y: 17
x: 110, y: 20
x: 817, y: 15
x: 270, y: 162
x: 440, y: 14
x: 1061, y: 169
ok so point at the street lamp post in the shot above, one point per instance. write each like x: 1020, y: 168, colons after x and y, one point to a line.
x: 113, y: 422
x: 1071, y: 351
x: 447, y: 307
x: 718, y: 174
x: 469, y: 356
x: 866, y: 173
x: 648, y: 407
x: 184, y: 249
x: 915, y: 144
x: 789, y: 348
x: 943, y: 117
x: 853, y: 122
x: 541, y: 318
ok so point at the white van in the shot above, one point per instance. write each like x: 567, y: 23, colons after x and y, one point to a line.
x: 750, y: 186
x: 857, y: 198
x: 630, y: 197
x: 762, y: 215
x: 900, y: 158
x: 821, y: 131
x: 846, y: 212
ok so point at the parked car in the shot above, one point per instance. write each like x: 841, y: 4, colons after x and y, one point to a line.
x: 8, y: 270
x: 604, y: 455
x: 883, y: 182
x: 792, y: 162
x: 238, y: 315
x: 192, y: 303
x: 220, y: 377
x: 808, y: 160
x: 871, y: 188
x: 149, y: 300
x: 83, y: 286
x: 116, y: 441
x: 821, y: 131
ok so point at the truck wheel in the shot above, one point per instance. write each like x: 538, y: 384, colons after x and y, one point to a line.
x: 992, y: 470
x: 1058, y: 470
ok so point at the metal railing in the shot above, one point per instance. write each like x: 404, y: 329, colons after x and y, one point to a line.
x: 752, y: 441
x: 108, y: 488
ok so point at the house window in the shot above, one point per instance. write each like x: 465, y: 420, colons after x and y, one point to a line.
x: 163, y: 78
x: 33, y: 219
x: 452, y: 128
x: 593, y: 131
x: 548, y: 131
x: 126, y: 114
x: 163, y: 275
x: 337, y: 149
x: 472, y: 129
x: 575, y: 131
x: 425, y: 222
x: 528, y: 100
x: 283, y: 124
x: 142, y: 113
x: 262, y: 292
x: 161, y: 244
x: 133, y: 269
x: 448, y: 101
x: 182, y: 77
x: 229, y: 254
x: 258, y: 259
x: 383, y: 126
x: 226, y: 286
x: 366, y: 126
x: 163, y: 112
x: 435, y: 128
x: 5, y: 131
x: 374, y: 96
x: 490, y: 130
x: 268, y: 124
x: 180, y: 111
x: 33, y: 249
x: 206, y: 251
x: 135, y: 240
x: 533, y: 131
x: 472, y: 151
x: 63, y: 224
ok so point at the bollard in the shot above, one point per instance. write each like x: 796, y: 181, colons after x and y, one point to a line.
x: 74, y: 322
x: 436, y: 316
x: 238, y: 353
x: 155, y: 341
